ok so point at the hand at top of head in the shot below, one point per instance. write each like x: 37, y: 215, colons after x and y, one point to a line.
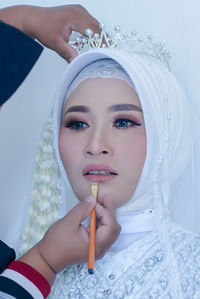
x: 52, y: 26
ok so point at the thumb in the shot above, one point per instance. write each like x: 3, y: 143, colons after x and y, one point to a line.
x: 81, y: 211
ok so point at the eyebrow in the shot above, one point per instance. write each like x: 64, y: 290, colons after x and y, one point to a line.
x: 113, y: 108
x: 122, y: 107
x: 80, y: 108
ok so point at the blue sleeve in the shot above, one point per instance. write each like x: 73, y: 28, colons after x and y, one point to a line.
x: 18, y: 54
x: 7, y: 255
x: 10, y: 287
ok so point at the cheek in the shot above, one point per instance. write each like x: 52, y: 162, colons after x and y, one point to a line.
x: 134, y: 150
x: 68, y: 149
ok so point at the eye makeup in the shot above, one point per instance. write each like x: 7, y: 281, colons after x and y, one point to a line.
x: 124, y: 121
x: 120, y: 121
x: 75, y: 122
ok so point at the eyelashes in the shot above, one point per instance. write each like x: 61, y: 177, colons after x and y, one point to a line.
x: 76, y: 125
x: 119, y: 122
x: 124, y: 121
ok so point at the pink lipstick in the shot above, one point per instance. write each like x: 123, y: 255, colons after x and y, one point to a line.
x: 99, y: 173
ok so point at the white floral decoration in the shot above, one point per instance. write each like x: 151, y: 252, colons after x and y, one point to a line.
x: 45, y: 193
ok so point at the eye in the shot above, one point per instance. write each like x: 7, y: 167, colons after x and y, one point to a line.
x: 77, y: 125
x: 125, y: 123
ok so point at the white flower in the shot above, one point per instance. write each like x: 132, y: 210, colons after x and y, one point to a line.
x: 43, y: 205
x: 41, y: 221
x: 23, y: 237
x: 46, y: 205
x: 27, y: 230
x: 48, y: 149
x: 25, y: 246
x: 48, y: 163
x: 42, y: 176
x: 31, y: 230
x: 53, y: 181
x: 47, y: 179
x: 37, y: 159
x: 38, y: 236
x: 50, y: 219
x: 54, y: 199
x: 47, y: 134
x: 55, y: 215
x: 34, y: 192
x: 31, y: 211
x: 48, y: 193
x: 44, y: 190
x: 45, y: 164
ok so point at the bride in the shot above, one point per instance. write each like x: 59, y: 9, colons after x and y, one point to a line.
x: 121, y: 118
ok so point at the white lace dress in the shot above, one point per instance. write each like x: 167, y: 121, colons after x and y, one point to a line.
x: 139, y: 271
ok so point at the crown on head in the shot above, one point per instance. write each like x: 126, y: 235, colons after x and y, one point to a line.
x: 129, y: 43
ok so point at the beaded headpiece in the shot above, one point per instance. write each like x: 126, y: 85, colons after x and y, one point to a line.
x: 129, y: 43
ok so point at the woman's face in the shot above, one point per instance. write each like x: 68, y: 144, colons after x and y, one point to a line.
x: 103, y: 139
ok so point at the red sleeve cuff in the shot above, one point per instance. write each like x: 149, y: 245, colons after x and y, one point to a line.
x: 34, y: 276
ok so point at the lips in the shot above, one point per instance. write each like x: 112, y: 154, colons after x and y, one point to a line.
x: 99, y: 173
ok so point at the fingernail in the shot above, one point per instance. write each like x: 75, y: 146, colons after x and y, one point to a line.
x: 91, y: 199
x: 70, y: 59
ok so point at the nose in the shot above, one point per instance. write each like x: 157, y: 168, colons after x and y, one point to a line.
x: 98, y: 144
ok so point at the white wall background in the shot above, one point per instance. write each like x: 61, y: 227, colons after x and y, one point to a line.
x: 176, y: 23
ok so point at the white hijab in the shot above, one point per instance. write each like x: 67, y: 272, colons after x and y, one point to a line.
x: 172, y: 162
x: 169, y: 135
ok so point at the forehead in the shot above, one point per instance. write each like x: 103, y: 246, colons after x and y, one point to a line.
x: 103, y: 91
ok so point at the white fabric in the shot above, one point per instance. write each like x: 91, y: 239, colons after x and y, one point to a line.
x: 24, y: 282
x: 138, y: 271
x: 142, y: 221
x: 134, y: 226
x: 171, y: 141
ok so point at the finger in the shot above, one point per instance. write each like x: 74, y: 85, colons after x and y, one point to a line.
x: 105, y: 240
x: 84, y: 233
x: 65, y: 50
x: 85, y: 21
x: 106, y: 216
x: 80, y: 27
x: 108, y: 204
x: 108, y: 229
x: 105, y: 237
x: 81, y: 211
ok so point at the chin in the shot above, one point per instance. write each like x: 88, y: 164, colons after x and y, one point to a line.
x: 82, y: 193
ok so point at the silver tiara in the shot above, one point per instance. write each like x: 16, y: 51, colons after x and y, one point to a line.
x: 129, y: 43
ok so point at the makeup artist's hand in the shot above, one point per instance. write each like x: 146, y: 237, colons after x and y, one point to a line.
x: 52, y: 26
x: 107, y: 228
x: 66, y: 241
